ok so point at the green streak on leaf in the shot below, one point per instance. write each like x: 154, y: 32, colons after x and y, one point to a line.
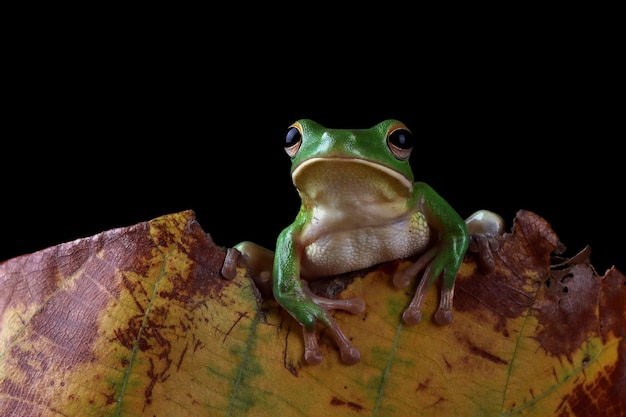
x: 387, y: 369
x: 243, y: 397
x: 520, y: 335
x: 394, y: 308
x: 591, y: 346
x: 144, y: 324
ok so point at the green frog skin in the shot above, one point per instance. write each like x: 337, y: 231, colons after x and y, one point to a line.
x: 361, y: 207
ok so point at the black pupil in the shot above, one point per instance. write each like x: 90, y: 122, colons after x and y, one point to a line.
x: 292, y: 137
x: 401, y: 138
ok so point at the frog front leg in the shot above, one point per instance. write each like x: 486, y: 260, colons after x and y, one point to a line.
x: 258, y: 262
x: 309, y: 310
x: 293, y: 294
x: 442, y: 259
x: 453, y: 238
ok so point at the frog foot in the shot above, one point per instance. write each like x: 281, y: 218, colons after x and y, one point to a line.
x: 484, y: 246
x: 231, y: 261
x: 485, y: 228
x: 312, y: 353
x: 413, y: 313
x: 348, y: 353
x: 354, y: 305
x: 257, y: 261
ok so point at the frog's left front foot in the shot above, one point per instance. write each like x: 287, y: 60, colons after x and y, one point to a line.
x: 413, y: 313
x: 485, y: 227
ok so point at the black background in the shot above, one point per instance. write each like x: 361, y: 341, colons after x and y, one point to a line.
x: 100, y: 136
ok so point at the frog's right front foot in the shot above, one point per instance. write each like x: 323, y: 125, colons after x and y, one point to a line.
x: 315, y: 310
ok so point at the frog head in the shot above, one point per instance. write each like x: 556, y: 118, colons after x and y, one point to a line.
x: 371, y: 164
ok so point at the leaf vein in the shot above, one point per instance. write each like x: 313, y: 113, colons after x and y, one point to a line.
x: 387, y: 370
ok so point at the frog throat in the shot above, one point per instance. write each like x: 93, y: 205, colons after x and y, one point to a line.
x: 360, y: 180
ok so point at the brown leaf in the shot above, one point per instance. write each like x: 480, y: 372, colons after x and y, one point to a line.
x: 138, y: 321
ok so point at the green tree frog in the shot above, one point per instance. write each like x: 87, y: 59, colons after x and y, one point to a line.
x: 361, y: 207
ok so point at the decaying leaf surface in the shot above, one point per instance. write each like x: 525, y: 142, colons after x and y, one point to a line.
x: 137, y: 321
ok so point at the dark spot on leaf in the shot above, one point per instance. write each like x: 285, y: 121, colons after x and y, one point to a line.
x: 182, y: 356
x: 291, y: 367
x: 475, y: 350
x: 439, y: 401
x: 339, y: 402
x: 110, y: 399
x: 336, y: 401
x: 423, y: 385
x: 564, y: 326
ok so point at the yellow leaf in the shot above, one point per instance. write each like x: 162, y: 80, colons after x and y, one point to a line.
x: 137, y: 321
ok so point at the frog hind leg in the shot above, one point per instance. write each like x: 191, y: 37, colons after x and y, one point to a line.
x: 485, y: 227
x: 258, y: 262
x: 354, y: 305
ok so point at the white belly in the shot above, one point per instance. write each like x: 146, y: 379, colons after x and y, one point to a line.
x: 357, y: 248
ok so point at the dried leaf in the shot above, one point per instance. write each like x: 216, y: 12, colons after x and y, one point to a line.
x: 137, y: 321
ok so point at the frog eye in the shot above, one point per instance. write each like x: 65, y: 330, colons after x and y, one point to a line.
x: 293, y: 139
x: 400, y: 141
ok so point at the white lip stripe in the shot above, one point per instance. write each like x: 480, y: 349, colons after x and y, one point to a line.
x: 383, y: 168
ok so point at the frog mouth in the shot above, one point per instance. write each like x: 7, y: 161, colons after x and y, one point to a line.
x: 350, y: 176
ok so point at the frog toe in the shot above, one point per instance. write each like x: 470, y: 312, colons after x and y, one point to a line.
x: 258, y: 262
x: 348, y: 353
x: 231, y: 260
x: 412, y: 315
x: 313, y: 355
x: 312, y: 352
x: 354, y: 305
x: 483, y: 246
x: 403, y: 277
x: 443, y: 315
